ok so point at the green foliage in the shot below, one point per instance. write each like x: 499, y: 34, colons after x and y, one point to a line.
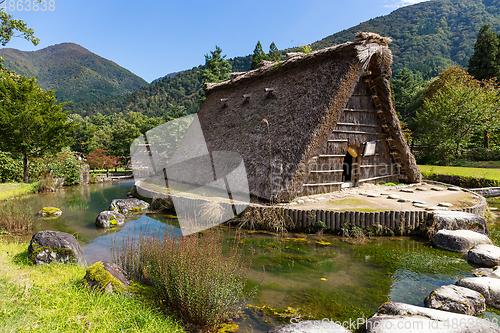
x: 191, y: 276
x: 11, y: 169
x: 306, y: 49
x: 8, y: 27
x: 274, y: 54
x: 406, y: 86
x: 455, y: 106
x: 484, y: 63
x: 217, y: 68
x: 31, y: 123
x: 258, y: 56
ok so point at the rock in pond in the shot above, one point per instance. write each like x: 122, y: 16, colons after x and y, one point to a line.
x: 453, y: 220
x: 107, y: 277
x: 54, y: 246
x: 486, y: 255
x: 487, y: 286
x: 310, y: 326
x: 131, y: 205
x: 456, y: 299
x: 108, y: 219
x: 487, y: 272
x: 50, y: 212
x: 459, y: 240
x: 404, y: 318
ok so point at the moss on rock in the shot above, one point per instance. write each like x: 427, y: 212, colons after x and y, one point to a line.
x: 103, y: 279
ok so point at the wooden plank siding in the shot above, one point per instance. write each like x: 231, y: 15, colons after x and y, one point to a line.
x: 358, y: 123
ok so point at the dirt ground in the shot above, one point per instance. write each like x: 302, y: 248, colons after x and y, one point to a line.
x: 360, y: 199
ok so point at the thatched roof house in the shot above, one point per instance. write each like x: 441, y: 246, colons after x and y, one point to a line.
x: 312, y: 123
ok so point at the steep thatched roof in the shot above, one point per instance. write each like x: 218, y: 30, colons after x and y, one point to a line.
x: 278, y: 116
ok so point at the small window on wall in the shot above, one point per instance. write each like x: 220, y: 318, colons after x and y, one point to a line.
x: 370, y: 148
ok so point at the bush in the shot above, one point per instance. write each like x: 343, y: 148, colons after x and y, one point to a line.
x: 191, y: 276
x: 11, y: 169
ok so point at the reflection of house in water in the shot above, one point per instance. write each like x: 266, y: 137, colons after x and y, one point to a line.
x: 312, y: 123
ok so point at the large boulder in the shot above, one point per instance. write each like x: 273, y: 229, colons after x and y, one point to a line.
x: 459, y: 240
x: 486, y: 255
x: 487, y: 286
x: 54, y: 246
x: 130, y: 205
x: 109, y: 219
x: 456, y: 299
x: 404, y: 318
x: 310, y: 326
x: 106, y: 277
x: 454, y: 220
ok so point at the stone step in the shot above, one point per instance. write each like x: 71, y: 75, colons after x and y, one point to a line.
x: 459, y: 240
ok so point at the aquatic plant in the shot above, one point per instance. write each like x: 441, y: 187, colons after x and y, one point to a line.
x: 199, y: 277
x: 16, y: 216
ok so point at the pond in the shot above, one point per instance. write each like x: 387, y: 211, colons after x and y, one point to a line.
x: 295, y: 275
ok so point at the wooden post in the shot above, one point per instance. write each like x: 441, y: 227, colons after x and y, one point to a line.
x: 337, y: 220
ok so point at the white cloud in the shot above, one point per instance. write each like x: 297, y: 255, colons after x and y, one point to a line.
x: 402, y: 3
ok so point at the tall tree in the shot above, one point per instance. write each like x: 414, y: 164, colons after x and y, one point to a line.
x: 405, y: 86
x: 274, y: 53
x: 455, y: 106
x: 484, y: 63
x: 217, y: 68
x: 258, y: 56
x: 30, y: 122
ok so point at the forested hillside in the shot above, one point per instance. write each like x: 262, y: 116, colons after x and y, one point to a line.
x: 427, y: 38
x: 76, y: 73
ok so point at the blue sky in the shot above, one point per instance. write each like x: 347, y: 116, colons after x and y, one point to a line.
x: 154, y: 38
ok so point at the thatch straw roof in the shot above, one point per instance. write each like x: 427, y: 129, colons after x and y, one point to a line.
x: 278, y: 116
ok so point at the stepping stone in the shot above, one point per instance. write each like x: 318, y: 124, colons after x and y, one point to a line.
x: 437, y: 188
x: 485, y: 255
x: 310, y: 200
x: 456, y: 299
x: 487, y: 286
x: 419, y: 202
x: 487, y: 272
x: 373, y: 195
x: 363, y: 193
x: 421, y: 189
x: 419, y: 205
x: 445, y: 204
x: 405, y: 318
x: 404, y: 200
x: 454, y: 188
x: 456, y: 220
x: 459, y: 240
x: 407, y: 190
x: 300, y: 202
x: 310, y: 326
x: 393, y: 196
x: 385, y: 193
x: 434, y: 208
x: 292, y: 203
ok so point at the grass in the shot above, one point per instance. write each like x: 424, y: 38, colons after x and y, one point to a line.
x: 9, y: 190
x: 16, y: 216
x: 493, y: 174
x: 53, y: 298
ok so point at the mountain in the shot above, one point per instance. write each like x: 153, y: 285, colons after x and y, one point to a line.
x: 427, y: 37
x: 76, y: 73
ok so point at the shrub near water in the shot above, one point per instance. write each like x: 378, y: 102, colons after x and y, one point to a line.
x: 198, y: 277
x: 16, y: 216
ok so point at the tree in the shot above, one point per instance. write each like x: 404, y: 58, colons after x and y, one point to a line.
x: 455, y: 106
x: 99, y: 159
x: 30, y: 122
x: 217, y: 68
x: 274, y: 53
x: 8, y: 26
x: 406, y: 86
x: 484, y: 63
x: 258, y: 56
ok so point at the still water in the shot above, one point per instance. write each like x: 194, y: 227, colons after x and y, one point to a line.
x: 292, y: 275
